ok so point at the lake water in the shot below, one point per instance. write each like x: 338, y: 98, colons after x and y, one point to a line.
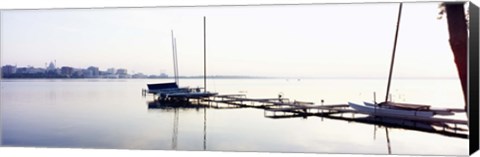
x: 113, y: 114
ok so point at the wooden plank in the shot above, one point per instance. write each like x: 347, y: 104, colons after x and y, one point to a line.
x: 302, y: 102
x: 230, y: 95
x: 295, y: 109
x: 312, y: 107
x: 267, y: 100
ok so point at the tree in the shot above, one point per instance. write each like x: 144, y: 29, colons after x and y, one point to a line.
x: 458, y: 31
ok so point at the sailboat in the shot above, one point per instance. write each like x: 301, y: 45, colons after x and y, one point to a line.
x: 392, y: 109
x: 388, y: 109
x: 171, y: 91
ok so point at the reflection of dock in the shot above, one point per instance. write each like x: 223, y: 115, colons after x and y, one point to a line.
x: 278, y: 108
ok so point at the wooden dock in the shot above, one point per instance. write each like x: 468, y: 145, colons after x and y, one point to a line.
x: 277, y: 108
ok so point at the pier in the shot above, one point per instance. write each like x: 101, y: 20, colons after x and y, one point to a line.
x: 278, y: 108
x: 169, y: 95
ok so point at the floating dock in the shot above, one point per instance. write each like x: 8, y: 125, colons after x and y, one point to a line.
x: 277, y: 108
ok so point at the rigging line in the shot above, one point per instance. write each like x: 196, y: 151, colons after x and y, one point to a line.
x: 393, y: 53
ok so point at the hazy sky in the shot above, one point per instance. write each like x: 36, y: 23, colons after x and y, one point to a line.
x: 328, y: 40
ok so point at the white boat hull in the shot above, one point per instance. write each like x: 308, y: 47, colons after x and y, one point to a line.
x: 371, y: 109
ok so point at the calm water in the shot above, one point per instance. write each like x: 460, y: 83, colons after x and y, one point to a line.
x: 113, y: 114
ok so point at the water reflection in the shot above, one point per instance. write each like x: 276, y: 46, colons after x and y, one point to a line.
x: 111, y: 114
x: 176, y: 106
x: 204, y: 128
x: 388, y: 141
x: 166, y: 105
x: 377, y: 122
x: 438, y: 128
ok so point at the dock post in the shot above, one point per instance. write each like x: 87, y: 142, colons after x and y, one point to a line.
x: 455, y: 127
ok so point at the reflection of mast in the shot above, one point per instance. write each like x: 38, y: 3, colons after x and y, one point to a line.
x: 388, y: 141
x: 175, y: 128
x: 204, y: 128
x: 388, y: 137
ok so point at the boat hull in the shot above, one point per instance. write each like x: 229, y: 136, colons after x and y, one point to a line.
x: 371, y: 109
x: 160, y: 86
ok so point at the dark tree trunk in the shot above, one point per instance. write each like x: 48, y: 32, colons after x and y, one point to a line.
x: 457, y: 28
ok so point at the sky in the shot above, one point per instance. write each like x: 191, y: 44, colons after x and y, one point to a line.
x: 326, y: 40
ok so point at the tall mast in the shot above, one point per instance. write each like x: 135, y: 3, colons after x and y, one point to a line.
x: 204, y: 81
x: 393, y: 54
x: 205, y: 53
x: 391, y: 70
x: 176, y: 61
x: 174, y: 52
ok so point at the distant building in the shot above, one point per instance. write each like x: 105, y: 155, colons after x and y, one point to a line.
x: 21, y: 70
x: 139, y: 75
x: 111, y: 71
x: 122, y: 72
x: 9, y: 69
x: 163, y: 75
x: 66, y: 71
x: 78, y: 73
x: 92, y: 72
x: 111, y: 76
x: 33, y: 70
x: 51, y: 67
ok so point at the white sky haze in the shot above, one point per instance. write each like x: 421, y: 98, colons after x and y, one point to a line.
x: 326, y: 40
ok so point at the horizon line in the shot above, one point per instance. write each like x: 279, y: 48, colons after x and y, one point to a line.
x: 259, y: 77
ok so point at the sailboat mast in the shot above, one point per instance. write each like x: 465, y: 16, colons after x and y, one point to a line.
x: 176, y: 61
x: 205, y: 54
x: 174, y: 58
x: 393, y: 54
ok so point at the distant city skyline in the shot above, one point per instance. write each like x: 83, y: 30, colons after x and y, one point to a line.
x: 64, y: 71
x: 275, y: 41
x: 52, y: 64
x: 104, y: 72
